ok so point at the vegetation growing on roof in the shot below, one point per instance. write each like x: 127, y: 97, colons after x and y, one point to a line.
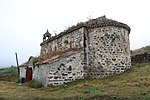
x: 49, y: 55
x: 91, y: 23
x: 66, y: 42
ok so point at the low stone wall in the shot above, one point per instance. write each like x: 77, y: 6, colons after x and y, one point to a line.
x: 141, y: 58
x: 60, y: 70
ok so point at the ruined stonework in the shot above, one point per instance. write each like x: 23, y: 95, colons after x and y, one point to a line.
x: 141, y: 55
x: 141, y: 58
x: 96, y: 48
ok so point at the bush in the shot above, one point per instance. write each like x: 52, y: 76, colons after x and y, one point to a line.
x: 92, y: 90
x: 66, y: 42
x: 34, y: 84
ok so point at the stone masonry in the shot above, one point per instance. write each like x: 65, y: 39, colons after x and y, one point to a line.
x: 96, y: 48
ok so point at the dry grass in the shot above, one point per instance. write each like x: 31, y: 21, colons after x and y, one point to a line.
x: 50, y: 55
x: 133, y: 84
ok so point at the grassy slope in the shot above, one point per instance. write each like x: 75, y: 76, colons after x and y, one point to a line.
x: 133, y: 84
x: 7, y: 74
x: 9, y: 71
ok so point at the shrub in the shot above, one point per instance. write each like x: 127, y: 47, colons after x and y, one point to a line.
x: 92, y: 90
x: 35, y: 59
x: 66, y: 41
x: 34, y: 84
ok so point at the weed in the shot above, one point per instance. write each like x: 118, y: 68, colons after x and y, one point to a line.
x: 116, y: 97
x: 92, y: 90
x: 34, y: 84
x: 66, y: 42
x: 146, y: 97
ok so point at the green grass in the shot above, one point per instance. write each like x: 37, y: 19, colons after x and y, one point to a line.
x: 8, y: 74
x: 34, y: 84
x: 8, y: 71
x: 134, y: 84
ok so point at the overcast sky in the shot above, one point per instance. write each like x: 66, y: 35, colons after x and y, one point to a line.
x: 23, y: 22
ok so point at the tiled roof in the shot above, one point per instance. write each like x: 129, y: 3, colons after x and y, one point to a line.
x: 103, y: 22
x: 50, y: 58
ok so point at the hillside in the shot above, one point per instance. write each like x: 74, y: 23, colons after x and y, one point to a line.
x: 140, y: 50
x: 131, y: 85
x: 8, y: 73
x: 141, y: 55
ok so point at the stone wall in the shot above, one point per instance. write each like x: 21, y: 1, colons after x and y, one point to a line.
x: 40, y: 73
x: 23, y: 72
x: 60, y: 70
x: 73, y: 39
x: 108, y: 51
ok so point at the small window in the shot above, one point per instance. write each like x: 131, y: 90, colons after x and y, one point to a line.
x: 69, y: 68
x: 125, y: 49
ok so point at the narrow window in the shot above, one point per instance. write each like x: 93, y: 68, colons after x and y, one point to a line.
x: 70, y: 68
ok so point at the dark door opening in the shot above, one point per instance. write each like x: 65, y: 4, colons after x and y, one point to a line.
x: 28, y: 74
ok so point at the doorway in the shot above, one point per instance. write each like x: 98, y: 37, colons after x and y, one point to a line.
x: 28, y: 74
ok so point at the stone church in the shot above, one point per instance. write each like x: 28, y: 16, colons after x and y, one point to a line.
x: 94, y: 49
